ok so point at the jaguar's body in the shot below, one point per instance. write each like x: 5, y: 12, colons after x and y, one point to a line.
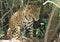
x: 22, y: 20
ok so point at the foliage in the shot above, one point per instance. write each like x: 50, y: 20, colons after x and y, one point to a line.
x: 1, y: 33
x: 39, y: 33
x: 7, y: 5
x: 45, y: 21
x: 59, y: 12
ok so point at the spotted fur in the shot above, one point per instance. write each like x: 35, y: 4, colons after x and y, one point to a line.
x: 23, y: 15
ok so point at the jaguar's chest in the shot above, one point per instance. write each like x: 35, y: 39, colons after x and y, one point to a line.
x: 27, y: 25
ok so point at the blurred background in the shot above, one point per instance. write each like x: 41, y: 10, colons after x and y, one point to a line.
x: 8, y: 7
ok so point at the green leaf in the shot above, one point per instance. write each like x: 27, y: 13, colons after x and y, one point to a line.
x: 45, y: 21
x: 59, y: 11
x: 1, y: 32
x: 39, y: 32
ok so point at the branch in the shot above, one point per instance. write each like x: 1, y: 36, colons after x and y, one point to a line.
x: 49, y: 23
x: 56, y: 29
x: 52, y: 3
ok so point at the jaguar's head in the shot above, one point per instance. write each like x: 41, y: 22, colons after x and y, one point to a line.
x: 33, y: 11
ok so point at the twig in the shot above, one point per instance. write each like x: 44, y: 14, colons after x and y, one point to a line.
x: 6, y: 13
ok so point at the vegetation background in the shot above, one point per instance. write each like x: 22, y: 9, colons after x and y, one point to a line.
x: 8, y: 7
